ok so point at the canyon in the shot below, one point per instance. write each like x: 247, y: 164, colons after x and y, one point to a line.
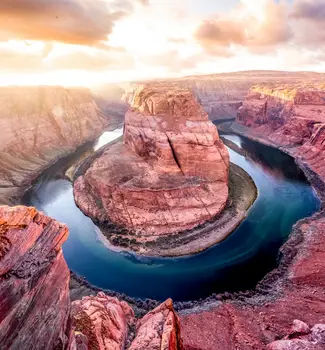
x: 35, y: 307
x: 222, y: 94
x: 289, y: 117
x: 285, y: 311
x: 170, y: 173
x: 39, y: 125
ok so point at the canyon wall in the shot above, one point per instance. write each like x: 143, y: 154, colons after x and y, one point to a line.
x: 35, y: 309
x: 290, y: 116
x: 34, y: 281
x: 169, y: 174
x: 290, y: 300
x: 38, y: 126
x: 222, y: 94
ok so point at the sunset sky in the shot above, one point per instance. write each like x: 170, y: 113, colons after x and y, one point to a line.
x: 87, y: 42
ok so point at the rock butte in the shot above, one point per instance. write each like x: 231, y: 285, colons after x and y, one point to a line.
x: 35, y: 309
x: 31, y: 263
x: 170, y: 173
x: 222, y: 94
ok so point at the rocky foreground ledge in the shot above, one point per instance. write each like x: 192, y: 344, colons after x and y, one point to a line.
x: 35, y: 308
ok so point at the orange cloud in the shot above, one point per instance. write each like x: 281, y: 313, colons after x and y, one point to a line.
x: 85, y: 22
x: 257, y: 29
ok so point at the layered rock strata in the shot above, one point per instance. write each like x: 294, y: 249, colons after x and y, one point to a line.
x: 159, y: 329
x: 34, y: 281
x: 169, y: 174
x: 289, y: 117
x: 35, y: 311
x: 38, y: 126
x: 222, y: 94
x: 292, y: 117
x: 104, y: 321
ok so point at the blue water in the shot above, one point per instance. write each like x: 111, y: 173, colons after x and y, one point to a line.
x: 237, y: 263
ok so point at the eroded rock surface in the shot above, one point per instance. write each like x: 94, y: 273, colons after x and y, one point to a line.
x: 38, y: 126
x: 35, y: 312
x: 169, y: 174
x: 103, y: 320
x: 34, y: 281
x: 306, y: 339
x: 290, y: 117
x: 222, y: 94
x: 159, y: 330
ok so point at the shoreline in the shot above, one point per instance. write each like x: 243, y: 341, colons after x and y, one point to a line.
x: 242, y: 195
x: 267, y: 290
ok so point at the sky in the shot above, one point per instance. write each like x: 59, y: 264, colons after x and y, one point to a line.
x: 90, y: 42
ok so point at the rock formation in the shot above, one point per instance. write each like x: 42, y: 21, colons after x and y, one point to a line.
x: 169, y: 174
x: 159, y: 329
x: 222, y: 94
x: 38, y: 126
x: 290, y: 117
x: 103, y: 320
x: 301, y: 337
x: 34, y: 281
x: 35, y: 303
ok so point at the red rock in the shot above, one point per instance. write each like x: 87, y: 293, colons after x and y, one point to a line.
x: 158, y: 330
x: 169, y: 175
x: 103, y: 320
x: 314, y: 339
x: 38, y: 126
x: 297, y: 291
x: 34, y: 281
x: 35, y: 303
x: 222, y: 94
x: 298, y: 328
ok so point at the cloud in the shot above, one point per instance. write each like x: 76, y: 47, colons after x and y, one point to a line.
x: 307, y: 18
x: 257, y: 26
x: 13, y: 61
x: 175, y: 65
x: 309, y: 9
x: 221, y: 32
x: 114, y: 59
x: 78, y: 59
x: 84, y: 22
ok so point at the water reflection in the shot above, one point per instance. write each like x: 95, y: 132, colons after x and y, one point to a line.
x: 271, y: 160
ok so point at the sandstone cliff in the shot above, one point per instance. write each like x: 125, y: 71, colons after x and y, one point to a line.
x: 290, y: 117
x: 34, y: 281
x: 39, y: 125
x: 222, y: 94
x: 170, y: 174
x: 35, y: 312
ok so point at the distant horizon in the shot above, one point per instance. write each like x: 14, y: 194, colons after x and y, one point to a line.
x: 161, y: 79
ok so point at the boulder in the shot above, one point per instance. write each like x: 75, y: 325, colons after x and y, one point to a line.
x: 158, y: 330
x: 103, y: 320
